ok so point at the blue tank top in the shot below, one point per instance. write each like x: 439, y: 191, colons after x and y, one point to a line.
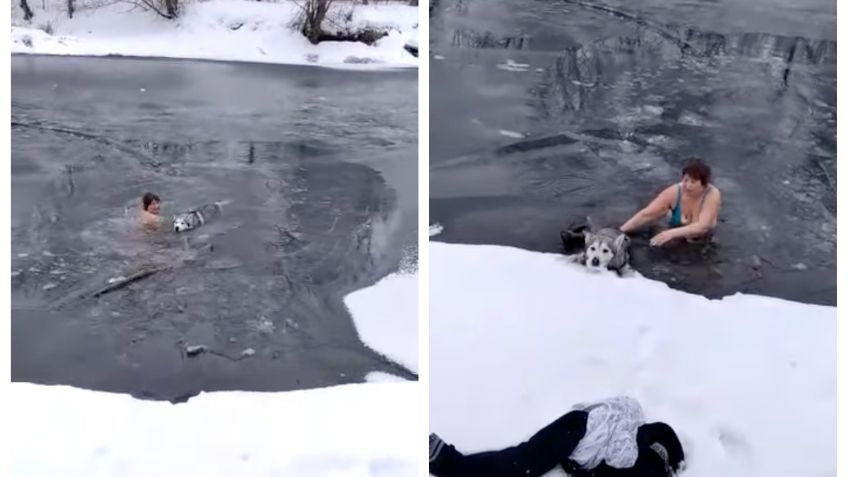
x: 676, y: 219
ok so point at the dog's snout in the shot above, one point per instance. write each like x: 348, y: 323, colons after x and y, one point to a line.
x: 596, y: 261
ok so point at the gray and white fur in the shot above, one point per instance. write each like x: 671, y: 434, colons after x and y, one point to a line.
x: 606, y: 249
x: 192, y: 219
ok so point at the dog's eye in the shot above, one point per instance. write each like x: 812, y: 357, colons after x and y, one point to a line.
x: 592, y: 248
x: 606, y: 250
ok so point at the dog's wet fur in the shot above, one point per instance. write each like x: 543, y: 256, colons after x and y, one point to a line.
x: 192, y: 219
x: 606, y: 248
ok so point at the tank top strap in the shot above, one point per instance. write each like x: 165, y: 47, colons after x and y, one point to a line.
x: 704, y: 197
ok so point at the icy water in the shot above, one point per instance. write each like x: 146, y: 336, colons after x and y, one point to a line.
x: 543, y: 112
x: 320, y: 167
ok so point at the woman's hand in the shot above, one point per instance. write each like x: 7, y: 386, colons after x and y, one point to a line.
x: 663, y: 238
x: 659, y: 206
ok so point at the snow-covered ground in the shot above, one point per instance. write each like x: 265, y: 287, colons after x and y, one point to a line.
x: 352, y: 430
x: 518, y: 337
x: 386, y: 317
x: 371, y: 429
x: 229, y: 30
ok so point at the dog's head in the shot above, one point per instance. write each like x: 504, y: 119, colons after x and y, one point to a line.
x: 181, y: 224
x: 603, y: 251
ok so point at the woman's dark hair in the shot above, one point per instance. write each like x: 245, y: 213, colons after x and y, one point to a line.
x: 651, y: 462
x: 697, y: 169
x: 648, y: 436
x: 148, y: 198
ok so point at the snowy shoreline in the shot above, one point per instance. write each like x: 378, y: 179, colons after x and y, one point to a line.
x: 350, y: 68
x: 739, y: 378
x: 217, y: 30
x: 364, y: 429
x: 359, y: 429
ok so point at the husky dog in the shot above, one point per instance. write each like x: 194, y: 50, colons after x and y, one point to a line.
x: 192, y: 219
x: 605, y: 249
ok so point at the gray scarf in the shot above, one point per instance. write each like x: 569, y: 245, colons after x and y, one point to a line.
x: 610, y: 436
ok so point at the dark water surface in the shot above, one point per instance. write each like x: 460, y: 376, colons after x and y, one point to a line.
x: 545, y: 111
x: 320, y: 167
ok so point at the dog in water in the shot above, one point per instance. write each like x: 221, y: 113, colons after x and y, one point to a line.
x: 605, y: 249
x: 192, y: 219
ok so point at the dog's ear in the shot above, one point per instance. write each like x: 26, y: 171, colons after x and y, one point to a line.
x: 621, y: 254
x: 588, y: 237
x: 621, y: 243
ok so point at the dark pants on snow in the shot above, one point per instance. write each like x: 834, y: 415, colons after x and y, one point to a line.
x: 547, y: 449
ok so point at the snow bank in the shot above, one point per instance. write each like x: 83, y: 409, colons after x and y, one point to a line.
x: 517, y: 337
x: 229, y: 30
x: 353, y: 430
x: 381, y: 377
x: 386, y: 317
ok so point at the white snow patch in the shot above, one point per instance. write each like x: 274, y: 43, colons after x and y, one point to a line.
x: 693, y: 119
x: 518, y: 337
x: 436, y: 229
x: 653, y: 110
x: 381, y: 377
x: 511, y: 65
x: 359, y: 430
x: 512, y: 134
x: 386, y: 317
x: 228, y: 30
x: 583, y: 83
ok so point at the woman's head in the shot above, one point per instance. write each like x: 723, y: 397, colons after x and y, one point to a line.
x: 150, y: 202
x: 660, y: 451
x: 696, y: 175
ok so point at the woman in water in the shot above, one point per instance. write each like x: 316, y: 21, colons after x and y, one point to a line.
x: 692, y: 206
x: 606, y: 439
x: 151, y: 207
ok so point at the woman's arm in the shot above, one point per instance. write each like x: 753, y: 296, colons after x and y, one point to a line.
x: 659, y: 206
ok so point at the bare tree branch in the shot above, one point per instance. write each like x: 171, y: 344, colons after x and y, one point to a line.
x: 27, y: 11
x: 164, y: 8
x: 314, y: 12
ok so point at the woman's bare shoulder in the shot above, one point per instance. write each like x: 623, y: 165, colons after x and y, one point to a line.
x: 149, y: 219
x: 716, y: 192
x: 670, y: 192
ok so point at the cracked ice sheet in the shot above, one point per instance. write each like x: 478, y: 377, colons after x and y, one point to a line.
x: 386, y: 317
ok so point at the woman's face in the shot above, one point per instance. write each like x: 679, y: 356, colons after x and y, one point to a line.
x: 692, y: 186
x: 155, y: 207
